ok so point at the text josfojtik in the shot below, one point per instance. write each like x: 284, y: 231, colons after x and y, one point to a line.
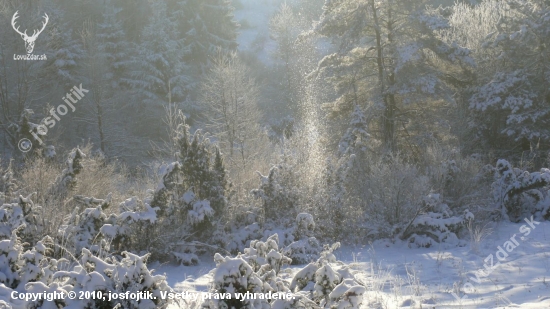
x: 72, y: 97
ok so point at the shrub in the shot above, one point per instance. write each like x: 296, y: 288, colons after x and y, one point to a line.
x: 518, y: 193
x: 35, y: 271
x: 436, y: 224
x: 317, y: 285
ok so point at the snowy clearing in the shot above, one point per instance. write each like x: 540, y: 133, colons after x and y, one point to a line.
x: 400, y: 277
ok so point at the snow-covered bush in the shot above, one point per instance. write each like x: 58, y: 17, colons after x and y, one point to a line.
x: 279, y: 192
x: 519, y: 193
x: 232, y: 276
x: 317, y: 285
x: 190, y: 197
x: 239, y: 236
x: 297, y: 241
x: 265, y: 256
x: 19, y: 267
x: 93, y: 229
x: 35, y: 271
x: 8, y: 184
x: 99, y: 276
x: 74, y: 167
x: 10, y: 254
x: 23, y: 216
x: 123, y: 230
x: 305, y: 226
x: 303, y: 251
x: 326, y: 280
x: 326, y: 285
x: 461, y: 181
x: 436, y: 224
x: 389, y: 197
x: 82, y: 229
x: 303, y: 247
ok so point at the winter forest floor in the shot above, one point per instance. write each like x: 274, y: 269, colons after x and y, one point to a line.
x: 400, y: 277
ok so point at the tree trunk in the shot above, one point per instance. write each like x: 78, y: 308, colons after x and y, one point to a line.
x: 389, y: 115
x: 100, y: 126
x: 388, y: 121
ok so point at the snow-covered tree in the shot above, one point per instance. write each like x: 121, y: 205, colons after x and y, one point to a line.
x: 511, y: 106
x: 74, y: 166
x: 385, y: 57
x: 279, y: 192
x: 114, y: 46
x: 160, y: 73
x: 8, y: 184
x: 355, y: 140
x: 134, y: 15
x: 64, y: 51
x: 518, y: 193
x: 205, y: 26
x: 22, y: 82
x: 81, y: 229
x: 305, y: 247
x: 230, y: 96
x: 295, y: 56
x: 191, y: 195
x: 104, y: 69
x: 21, y: 215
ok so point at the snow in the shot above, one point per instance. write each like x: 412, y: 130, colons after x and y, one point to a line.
x: 188, y: 197
x: 165, y: 170
x: 233, y: 267
x: 201, y: 210
x: 148, y: 215
x: 385, y: 271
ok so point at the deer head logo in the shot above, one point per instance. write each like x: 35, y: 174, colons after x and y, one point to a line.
x: 29, y: 40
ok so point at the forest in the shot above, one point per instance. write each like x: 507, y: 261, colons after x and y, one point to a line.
x: 346, y: 153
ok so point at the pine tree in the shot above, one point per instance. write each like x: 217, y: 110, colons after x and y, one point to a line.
x: 279, y: 192
x: 511, y: 106
x: 114, y: 46
x: 134, y: 16
x: 382, y: 57
x: 8, y: 184
x: 206, y: 26
x: 160, y: 71
x: 192, y: 191
x: 105, y: 68
x: 64, y: 51
x: 217, y: 185
x: 356, y: 137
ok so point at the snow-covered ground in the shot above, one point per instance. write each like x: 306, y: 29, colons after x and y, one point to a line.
x: 397, y: 276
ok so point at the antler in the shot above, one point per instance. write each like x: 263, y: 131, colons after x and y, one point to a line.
x: 44, y: 23
x: 13, y: 25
